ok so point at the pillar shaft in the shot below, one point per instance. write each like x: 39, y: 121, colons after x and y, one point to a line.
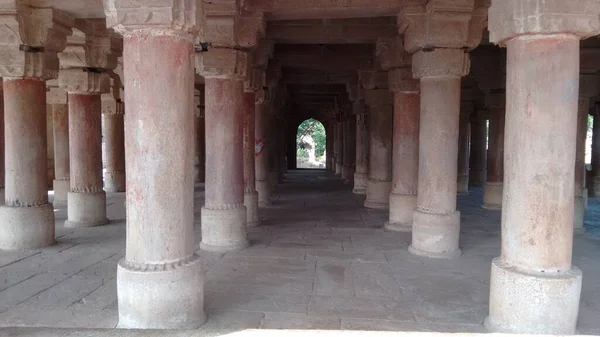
x: 362, y: 154
x: 464, y: 136
x: 477, y: 161
x: 534, y: 288
x: 26, y: 219
x: 86, y: 198
x: 405, y: 160
x: 492, y: 193
x: 60, y: 124
x: 261, y: 159
x: 250, y: 194
x: 114, y: 140
x: 579, y: 168
x: 1, y: 145
x: 379, y: 183
x: 224, y: 213
x: 436, y: 223
x: 329, y: 148
x: 339, y: 148
x: 159, y: 266
x: 200, y: 146
x: 349, y: 149
x: 595, y: 183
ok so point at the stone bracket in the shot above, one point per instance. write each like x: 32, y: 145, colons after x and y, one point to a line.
x: 79, y: 80
x: 222, y: 63
x: 441, y: 63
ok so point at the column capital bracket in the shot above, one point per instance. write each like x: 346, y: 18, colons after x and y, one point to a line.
x: 84, y: 80
x: 441, y: 62
x: 222, y: 63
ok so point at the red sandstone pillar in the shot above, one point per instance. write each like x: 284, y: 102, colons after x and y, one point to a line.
x: 379, y: 184
x: 436, y: 222
x: 261, y: 159
x: 464, y: 137
x: 477, y: 161
x: 492, y: 192
x: 26, y: 218
x: 86, y: 199
x: 60, y: 121
x: 1, y: 145
x: 114, y: 140
x: 405, y: 161
x: 362, y: 149
x: 595, y: 183
x: 534, y: 287
x: 224, y: 213
x: 250, y: 194
x: 339, y: 146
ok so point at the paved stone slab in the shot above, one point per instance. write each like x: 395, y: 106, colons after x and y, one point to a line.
x: 299, y: 322
x: 393, y: 309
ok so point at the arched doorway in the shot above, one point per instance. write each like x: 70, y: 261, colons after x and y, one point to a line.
x: 311, y: 142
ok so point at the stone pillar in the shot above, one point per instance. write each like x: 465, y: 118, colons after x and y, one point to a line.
x: 436, y: 222
x: 50, y: 145
x: 86, y: 200
x: 349, y: 149
x: 477, y: 161
x: 261, y: 159
x: 339, y: 146
x: 26, y: 218
x: 379, y: 184
x: 492, y: 192
x: 250, y: 194
x: 1, y: 145
x: 464, y: 137
x: 30, y: 49
x: 362, y: 149
x: 534, y: 287
x: 114, y: 141
x: 159, y: 282
x: 224, y: 213
x: 345, y: 142
x: 595, y: 183
x: 405, y: 164
x: 199, y: 147
x: 329, y: 159
x: 57, y: 98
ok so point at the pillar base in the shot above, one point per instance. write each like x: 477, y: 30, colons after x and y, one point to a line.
x: 462, y: 185
x: 579, y: 213
x: 114, y: 182
x: 401, y: 212
x: 360, y: 183
x: 251, y: 203
x: 26, y: 227
x: 264, y: 193
x: 61, y: 189
x: 492, y: 196
x: 166, y: 296
x: 540, y: 303
x: 378, y: 194
x: 86, y: 209
x: 435, y: 235
x: 224, y: 230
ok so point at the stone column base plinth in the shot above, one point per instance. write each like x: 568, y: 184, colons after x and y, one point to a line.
x: 26, y: 227
x: 165, y: 296
x: 401, y: 212
x: 435, y: 235
x: 264, y: 193
x: 492, y: 196
x: 540, y: 303
x: 224, y: 230
x: 61, y: 189
x: 579, y: 212
x: 251, y: 203
x: 86, y: 209
x: 114, y: 182
x: 378, y: 194
x: 462, y: 186
x: 360, y: 183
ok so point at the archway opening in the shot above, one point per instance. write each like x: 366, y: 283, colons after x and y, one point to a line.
x: 311, y: 141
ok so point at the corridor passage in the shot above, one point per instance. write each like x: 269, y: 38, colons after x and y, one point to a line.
x: 318, y: 261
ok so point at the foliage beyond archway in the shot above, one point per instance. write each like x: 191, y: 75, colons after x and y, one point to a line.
x: 311, y: 142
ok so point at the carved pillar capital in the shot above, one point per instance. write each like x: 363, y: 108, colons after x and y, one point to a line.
x: 222, y: 63
x: 373, y: 79
x: 84, y: 80
x: 30, y: 38
x: 512, y: 18
x: 440, y: 62
x: 401, y: 80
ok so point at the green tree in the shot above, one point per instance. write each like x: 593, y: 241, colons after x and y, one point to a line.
x: 316, y: 130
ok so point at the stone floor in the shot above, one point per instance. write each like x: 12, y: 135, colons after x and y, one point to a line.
x: 320, y: 261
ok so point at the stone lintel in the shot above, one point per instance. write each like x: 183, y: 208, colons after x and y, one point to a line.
x: 373, y: 79
x: 81, y: 80
x: 511, y: 18
x: 440, y: 63
x: 155, y: 17
x: 222, y: 63
x: 30, y: 38
x: 401, y: 80
x: 443, y: 24
x: 379, y: 97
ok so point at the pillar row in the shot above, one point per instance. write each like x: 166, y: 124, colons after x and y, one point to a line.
x: 261, y: 155
x: 250, y: 194
x: 436, y: 221
x: 349, y: 149
x: 405, y: 161
x: 1, y: 145
x: 199, y: 138
x: 339, y: 147
x: 595, y: 180
x: 57, y: 99
x: 379, y: 184
x: 493, y: 189
x: 362, y: 149
x: 114, y: 142
x: 477, y: 160
x: 464, y: 137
